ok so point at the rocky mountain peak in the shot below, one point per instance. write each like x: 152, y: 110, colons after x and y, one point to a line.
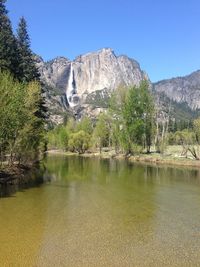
x: 101, y: 52
x: 59, y: 61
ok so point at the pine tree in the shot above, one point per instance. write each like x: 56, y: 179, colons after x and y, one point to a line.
x: 27, y: 66
x: 8, y: 47
x: 28, y: 69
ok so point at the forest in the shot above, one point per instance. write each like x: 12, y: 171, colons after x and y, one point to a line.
x: 132, y: 125
x: 22, y: 109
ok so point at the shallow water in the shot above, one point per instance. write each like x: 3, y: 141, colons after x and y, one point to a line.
x: 91, y: 212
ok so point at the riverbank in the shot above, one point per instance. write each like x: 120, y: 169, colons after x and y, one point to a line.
x: 171, y: 157
x: 16, y: 174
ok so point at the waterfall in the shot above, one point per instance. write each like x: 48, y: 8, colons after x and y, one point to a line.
x: 70, y: 92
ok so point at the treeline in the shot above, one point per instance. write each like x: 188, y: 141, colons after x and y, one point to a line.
x: 21, y: 129
x: 131, y: 125
x: 128, y: 125
x: 22, y: 110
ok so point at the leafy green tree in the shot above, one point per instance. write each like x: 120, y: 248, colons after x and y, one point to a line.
x: 31, y: 135
x: 71, y: 125
x: 27, y: 66
x: 86, y: 125
x: 58, y: 138
x: 115, y: 135
x: 133, y: 116
x: 118, y: 129
x: 195, y: 151
x: 21, y: 131
x: 171, y: 140
x: 132, y: 112
x: 101, y: 131
x: 63, y: 138
x: 51, y: 139
x: 117, y: 102
x: 138, y: 113
x: 11, y: 112
x: 79, y: 142
x: 196, y: 126
x: 148, y: 114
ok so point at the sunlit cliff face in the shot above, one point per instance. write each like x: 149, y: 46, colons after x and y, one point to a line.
x: 100, y: 70
x: 86, y: 83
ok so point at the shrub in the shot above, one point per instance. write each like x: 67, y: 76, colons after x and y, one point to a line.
x: 79, y: 142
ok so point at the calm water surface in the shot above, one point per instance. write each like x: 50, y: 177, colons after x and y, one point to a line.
x: 91, y: 212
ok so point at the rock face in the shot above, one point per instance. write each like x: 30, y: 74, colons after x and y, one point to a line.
x: 55, y: 73
x: 182, y: 89
x: 83, y: 86
x: 103, y: 69
x: 86, y: 82
x: 54, y: 76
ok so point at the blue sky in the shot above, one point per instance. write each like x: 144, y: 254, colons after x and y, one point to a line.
x: 162, y: 35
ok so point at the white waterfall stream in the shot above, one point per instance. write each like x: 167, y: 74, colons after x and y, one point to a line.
x: 70, y: 88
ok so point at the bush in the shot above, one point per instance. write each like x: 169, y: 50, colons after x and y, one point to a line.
x: 79, y: 142
x: 58, y: 138
x: 21, y: 129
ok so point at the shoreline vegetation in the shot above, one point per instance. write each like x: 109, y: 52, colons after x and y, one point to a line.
x: 17, y: 173
x: 152, y: 158
x: 22, y: 107
x: 134, y: 126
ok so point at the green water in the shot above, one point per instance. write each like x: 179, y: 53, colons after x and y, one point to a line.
x: 91, y: 212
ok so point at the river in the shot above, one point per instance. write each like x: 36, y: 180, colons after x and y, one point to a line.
x: 102, y: 212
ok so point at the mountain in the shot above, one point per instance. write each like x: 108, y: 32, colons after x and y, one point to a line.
x: 182, y: 89
x: 85, y: 84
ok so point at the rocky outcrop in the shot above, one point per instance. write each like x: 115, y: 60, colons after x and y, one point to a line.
x: 84, y: 84
x: 103, y: 69
x: 182, y: 89
x: 55, y: 73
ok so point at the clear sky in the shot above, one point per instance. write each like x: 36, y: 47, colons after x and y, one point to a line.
x: 162, y: 35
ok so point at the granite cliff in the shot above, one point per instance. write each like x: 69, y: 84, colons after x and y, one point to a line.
x: 83, y: 86
x: 182, y: 89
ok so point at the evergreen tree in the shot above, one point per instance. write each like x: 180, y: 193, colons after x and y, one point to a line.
x: 27, y: 65
x: 8, y: 47
x: 28, y: 69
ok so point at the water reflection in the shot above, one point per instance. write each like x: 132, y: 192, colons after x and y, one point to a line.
x: 30, y: 179
x: 96, y: 209
x: 92, y: 212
